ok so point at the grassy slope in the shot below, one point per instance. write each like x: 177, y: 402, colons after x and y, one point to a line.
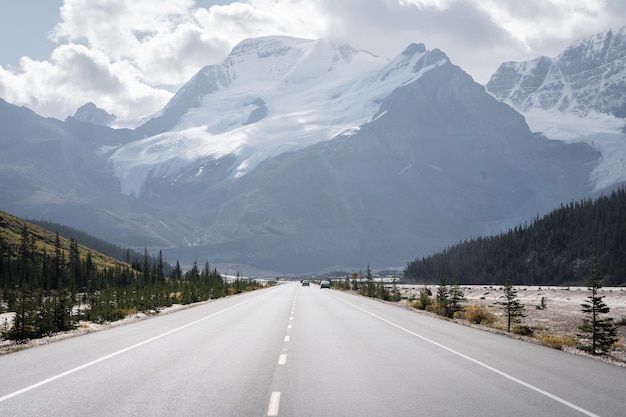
x: 11, y: 233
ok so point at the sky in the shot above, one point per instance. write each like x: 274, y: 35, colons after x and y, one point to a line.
x: 130, y: 57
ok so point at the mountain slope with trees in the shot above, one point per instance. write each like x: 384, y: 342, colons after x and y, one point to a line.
x: 50, y: 283
x: 553, y: 250
x: 102, y: 246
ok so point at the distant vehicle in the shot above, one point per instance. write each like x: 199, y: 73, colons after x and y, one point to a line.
x: 305, y: 283
x: 324, y: 284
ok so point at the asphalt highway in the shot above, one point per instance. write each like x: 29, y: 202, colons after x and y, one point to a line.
x: 304, y: 351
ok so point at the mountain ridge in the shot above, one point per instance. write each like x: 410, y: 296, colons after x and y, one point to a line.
x: 578, y: 96
x: 372, y: 162
x: 588, y: 76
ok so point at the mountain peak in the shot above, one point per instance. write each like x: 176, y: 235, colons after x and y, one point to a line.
x: 272, y: 95
x: 90, y: 113
x: 414, y: 48
x: 266, y: 46
x: 588, y: 76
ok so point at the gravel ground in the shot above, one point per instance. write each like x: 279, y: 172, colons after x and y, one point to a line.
x: 561, y: 316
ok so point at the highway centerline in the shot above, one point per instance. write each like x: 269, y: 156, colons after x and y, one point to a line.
x: 272, y: 409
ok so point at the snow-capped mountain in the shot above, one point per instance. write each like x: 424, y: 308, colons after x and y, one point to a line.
x: 90, y: 113
x: 578, y: 96
x: 589, y: 76
x: 269, y: 96
x: 298, y: 155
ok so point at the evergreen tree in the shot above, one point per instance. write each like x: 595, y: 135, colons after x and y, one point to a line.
x: 177, y: 272
x: 443, y: 298
x: 456, y: 297
x: 395, y: 291
x: 57, y: 263
x: 159, y: 272
x: 146, y: 267
x: 424, y: 300
x: 513, y: 308
x: 382, y: 292
x: 602, y: 332
x: 369, y: 288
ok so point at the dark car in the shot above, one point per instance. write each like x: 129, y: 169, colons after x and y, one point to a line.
x: 305, y: 283
x: 324, y: 284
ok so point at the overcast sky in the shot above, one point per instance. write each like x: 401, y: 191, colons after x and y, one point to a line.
x: 129, y: 57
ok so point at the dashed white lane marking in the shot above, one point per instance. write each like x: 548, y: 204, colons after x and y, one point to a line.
x: 287, y: 338
x: 282, y: 359
x: 272, y: 409
x: 290, y: 326
x: 479, y: 363
x: 119, y: 352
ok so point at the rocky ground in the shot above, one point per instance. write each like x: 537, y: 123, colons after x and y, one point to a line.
x: 554, y: 325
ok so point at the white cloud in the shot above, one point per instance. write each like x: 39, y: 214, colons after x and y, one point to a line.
x: 130, y: 56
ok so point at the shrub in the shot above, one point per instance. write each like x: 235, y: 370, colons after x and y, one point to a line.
x: 476, y: 314
x: 543, y: 305
x: 523, y: 330
x: 555, y: 342
x: 423, y: 302
x: 439, y: 309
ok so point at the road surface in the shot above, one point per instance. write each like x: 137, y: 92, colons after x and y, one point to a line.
x: 302, y: 351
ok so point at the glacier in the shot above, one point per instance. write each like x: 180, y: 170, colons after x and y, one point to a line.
x: 576, y: 97
x: 269, y: 96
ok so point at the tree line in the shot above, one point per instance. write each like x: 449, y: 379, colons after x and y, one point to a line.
x: 553, y: 250
x: 96, y: 244
x: 52, y: 290
x: 366, y: 285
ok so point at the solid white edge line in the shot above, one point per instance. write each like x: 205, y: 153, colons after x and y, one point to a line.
x: 272, y: 409
x: 477, y: 362
x: 119, y: 352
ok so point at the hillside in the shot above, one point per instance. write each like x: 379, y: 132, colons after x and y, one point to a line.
x: 553, y: 250
x: 43, y: 240
x: 100, y: 245
x: 49, y: 283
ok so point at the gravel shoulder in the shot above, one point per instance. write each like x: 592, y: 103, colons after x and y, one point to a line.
x: 560, y: 317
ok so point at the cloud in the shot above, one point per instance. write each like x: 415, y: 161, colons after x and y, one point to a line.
x: 129, y: 57
x: 74, y: 75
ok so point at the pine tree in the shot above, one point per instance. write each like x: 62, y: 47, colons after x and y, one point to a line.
x: 160, y: 275
x: 456, y: 297
x: 443, y: 298
x: 603, y: 332
x: 395, y: 291
x: 177, y: 272
x: 513, y: 308
x: 369, y: 289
